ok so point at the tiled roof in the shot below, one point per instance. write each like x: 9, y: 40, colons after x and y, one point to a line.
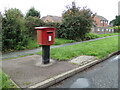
x: 101, y: 17
x: 54, y: 18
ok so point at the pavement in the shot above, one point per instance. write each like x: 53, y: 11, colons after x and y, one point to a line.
x: 33, y: 51
x: 29, y: 72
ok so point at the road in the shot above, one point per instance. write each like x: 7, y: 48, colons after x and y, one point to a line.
x: 102, y: 75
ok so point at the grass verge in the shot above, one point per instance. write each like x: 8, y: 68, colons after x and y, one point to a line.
x: 5, y: 81
x: 98, y: 48
x: 89, y: 36
x: 58, y: 41
x: 107, y: 34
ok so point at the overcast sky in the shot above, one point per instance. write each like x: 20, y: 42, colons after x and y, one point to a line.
x: 106, y: 8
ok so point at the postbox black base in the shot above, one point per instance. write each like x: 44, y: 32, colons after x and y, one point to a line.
x: 45, y: 54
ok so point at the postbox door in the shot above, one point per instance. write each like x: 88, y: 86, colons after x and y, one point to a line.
x: 48, y: 37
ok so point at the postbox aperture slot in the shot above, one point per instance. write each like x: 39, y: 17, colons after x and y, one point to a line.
x: 49, y: 32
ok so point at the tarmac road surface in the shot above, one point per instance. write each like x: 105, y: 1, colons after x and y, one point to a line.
x: 103, y: 75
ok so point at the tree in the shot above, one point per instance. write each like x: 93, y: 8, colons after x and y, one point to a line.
x: 14, y: 32
x: 32, y: 12
x: 76, y: 23
x: 116, y: 21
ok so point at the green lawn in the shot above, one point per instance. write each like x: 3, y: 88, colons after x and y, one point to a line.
x: 58, y: 41
x: 107, y: 34
x: 98, y: 48
x: 89, y: 36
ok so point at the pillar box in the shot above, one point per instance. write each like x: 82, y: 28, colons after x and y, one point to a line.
x: 45, y: 37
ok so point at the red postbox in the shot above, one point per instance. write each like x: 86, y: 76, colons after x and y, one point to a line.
x: 45, y: 35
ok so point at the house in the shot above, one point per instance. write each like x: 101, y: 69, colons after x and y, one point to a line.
x: 100, y: 25
x: 50, y: 18
x: 100, y: 21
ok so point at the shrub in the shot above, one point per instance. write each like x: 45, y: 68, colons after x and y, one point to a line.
x: 32, y: 44
x: 31, y: 23
x: 53, y: 24
x: 32, y: 12
x: 76, y: 23
x: 117, y: 29
x: 89, y: 36
x: 116, y: 23
x: 14, y: 32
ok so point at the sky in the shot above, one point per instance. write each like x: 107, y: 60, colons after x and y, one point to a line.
x: 105, y: 8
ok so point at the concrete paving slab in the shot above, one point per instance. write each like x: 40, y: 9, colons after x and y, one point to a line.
x: 26, y: 72
x: 82, y: 59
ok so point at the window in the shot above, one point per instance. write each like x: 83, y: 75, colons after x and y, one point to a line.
x: 101, y: 21
x: 109, y: 30
x: 98, y: 29
x: 107, y: 22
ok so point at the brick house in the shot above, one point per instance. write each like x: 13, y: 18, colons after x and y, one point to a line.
x: 100, y: 21
x: 100, y: 25
x: 50, y: 18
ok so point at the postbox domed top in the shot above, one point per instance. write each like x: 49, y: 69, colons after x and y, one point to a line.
x: 45, y: 28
